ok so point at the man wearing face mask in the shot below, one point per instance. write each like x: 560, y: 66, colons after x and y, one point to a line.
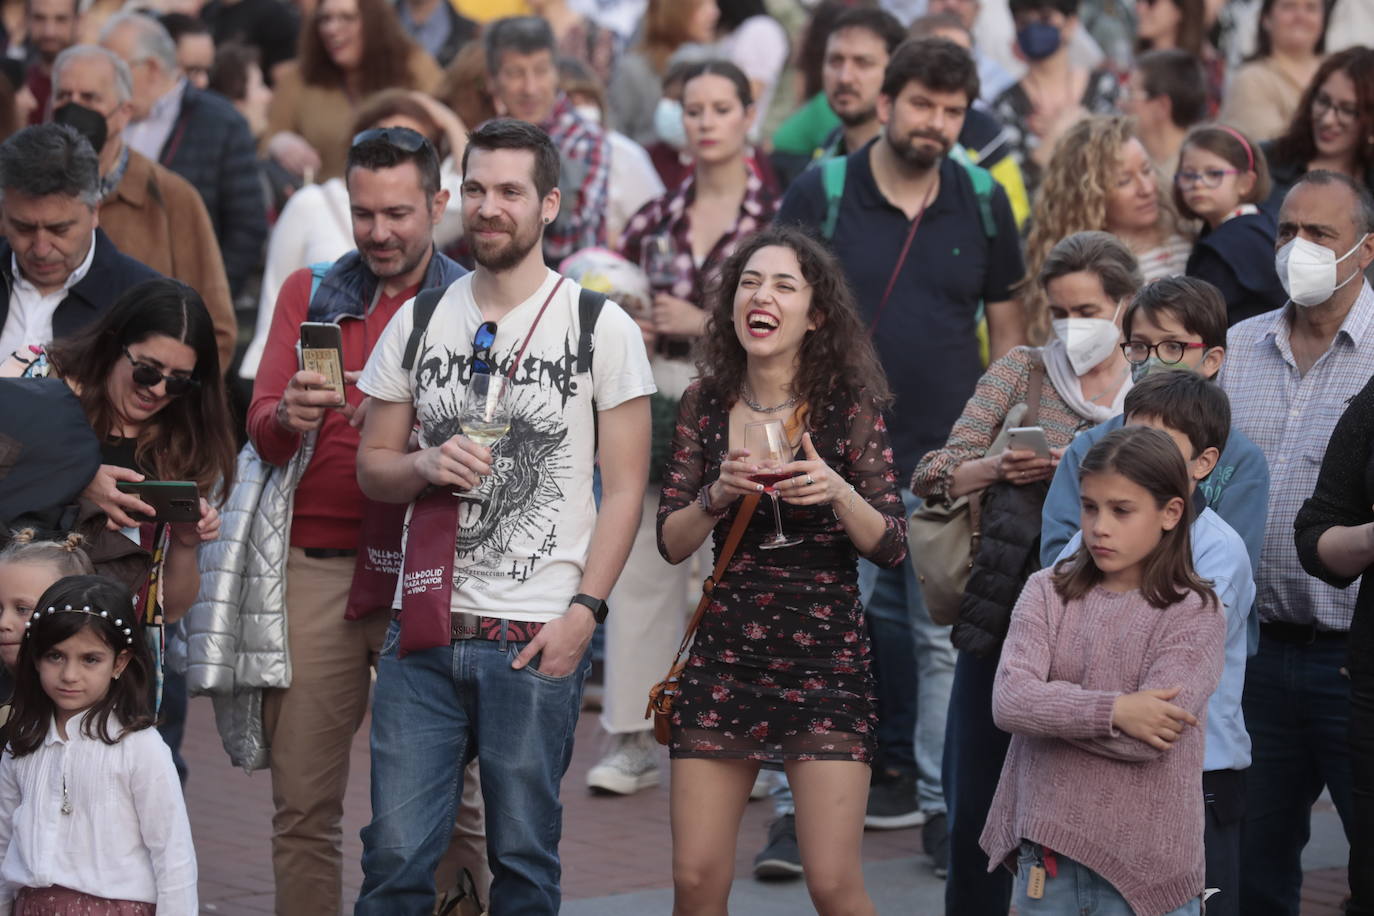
x: 1055, y: 92
x: 1290, y: 374
x: 153, y: 215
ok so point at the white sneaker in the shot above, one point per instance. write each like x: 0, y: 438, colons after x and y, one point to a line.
x: 629, y: 765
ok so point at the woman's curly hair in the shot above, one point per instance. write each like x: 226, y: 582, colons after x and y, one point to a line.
x: 1073, y: 198
x: 837, y: 360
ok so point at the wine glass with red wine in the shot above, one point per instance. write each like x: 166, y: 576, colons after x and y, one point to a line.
x: 769, y: 449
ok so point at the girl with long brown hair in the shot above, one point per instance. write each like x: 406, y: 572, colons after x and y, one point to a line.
x: 1103, y: 683
x: 779, y: 669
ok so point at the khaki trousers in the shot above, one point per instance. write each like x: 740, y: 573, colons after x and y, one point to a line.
x: 310, y: 727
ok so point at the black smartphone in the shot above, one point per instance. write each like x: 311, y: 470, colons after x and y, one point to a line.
x: 172, y: 500
x: 322, y: 352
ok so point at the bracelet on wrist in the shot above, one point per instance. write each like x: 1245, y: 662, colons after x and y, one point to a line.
x: 704, y: 500
x: 848, y: 503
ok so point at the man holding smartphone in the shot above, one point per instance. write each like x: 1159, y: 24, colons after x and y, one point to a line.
x: 393, y: 185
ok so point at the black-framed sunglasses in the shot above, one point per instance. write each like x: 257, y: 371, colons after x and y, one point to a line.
x: 403, y: 138
x: 482, y: 342
x: 146, y: 376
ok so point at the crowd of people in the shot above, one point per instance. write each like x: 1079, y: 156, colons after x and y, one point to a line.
x: 1006, y: 369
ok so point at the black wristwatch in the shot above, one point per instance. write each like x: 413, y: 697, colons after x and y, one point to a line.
x: 596, y: 605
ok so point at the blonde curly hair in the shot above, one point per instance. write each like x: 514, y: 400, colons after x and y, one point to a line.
x: 1073, y: 198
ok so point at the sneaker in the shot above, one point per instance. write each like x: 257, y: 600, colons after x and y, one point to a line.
x: 631, y: 764
x: 892, y: 802
x: 781, y: 858
x: 935, y: 841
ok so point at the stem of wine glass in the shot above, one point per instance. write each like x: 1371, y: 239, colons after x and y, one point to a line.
x: 777, y: 516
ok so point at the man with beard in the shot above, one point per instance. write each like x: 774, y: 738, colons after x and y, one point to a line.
x: 52, y: 29
x: 393, y: 186
x: 911, y: 236
x: 507, y: 559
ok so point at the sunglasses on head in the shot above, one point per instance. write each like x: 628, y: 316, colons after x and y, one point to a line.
x: 403, y: 138
x: 146, y: 376
x: 481, y: 347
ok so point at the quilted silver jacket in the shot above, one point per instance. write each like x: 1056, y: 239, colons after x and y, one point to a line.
x: 236, y: 630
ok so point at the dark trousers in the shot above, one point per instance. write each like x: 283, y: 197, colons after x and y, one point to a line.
x: 1297, y: 709
x: 1361, y: 824
x: 975, y: 750
x: 1224, y: 794
x: 172, y: 718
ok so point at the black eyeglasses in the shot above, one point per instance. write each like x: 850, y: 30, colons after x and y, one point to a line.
x: 481, y: 347
x: 403, y: 138
x: 1168, y: 351
x: 146, y: 376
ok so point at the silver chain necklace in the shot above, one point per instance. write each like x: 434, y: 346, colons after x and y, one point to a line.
x: 752, y: 404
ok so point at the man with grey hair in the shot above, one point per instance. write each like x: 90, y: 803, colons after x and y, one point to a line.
x: 60, y: 270
x: 199, y: 135
x: 152, y: 214
x: 522, y: 76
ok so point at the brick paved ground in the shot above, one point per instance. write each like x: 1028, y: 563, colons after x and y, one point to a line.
x: 610, y: 845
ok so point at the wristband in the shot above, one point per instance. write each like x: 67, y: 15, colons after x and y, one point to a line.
x: 704, y: 500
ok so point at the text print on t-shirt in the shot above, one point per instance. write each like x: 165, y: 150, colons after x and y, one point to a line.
x: 529, y: 467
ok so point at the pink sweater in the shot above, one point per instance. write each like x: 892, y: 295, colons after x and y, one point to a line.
x: 1073, y: 783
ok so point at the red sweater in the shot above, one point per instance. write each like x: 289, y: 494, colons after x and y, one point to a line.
x: 328, y: 506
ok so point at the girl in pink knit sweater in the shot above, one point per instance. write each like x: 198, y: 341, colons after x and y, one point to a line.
x: 1103, y: 684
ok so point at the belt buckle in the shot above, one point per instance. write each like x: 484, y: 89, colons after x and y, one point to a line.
x: 464, y: 625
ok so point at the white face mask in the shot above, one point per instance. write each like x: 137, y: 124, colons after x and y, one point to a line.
x: 1088, y: 341
x: 668, y: 124
x: 1308, y: 270
x: 589, y: 113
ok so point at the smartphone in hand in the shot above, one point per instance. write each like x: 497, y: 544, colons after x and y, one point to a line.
x: 1028, y: 439
x: 322, y: 352
x: 174, y: 500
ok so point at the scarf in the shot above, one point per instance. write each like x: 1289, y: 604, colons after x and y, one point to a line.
x: 1070, y: 390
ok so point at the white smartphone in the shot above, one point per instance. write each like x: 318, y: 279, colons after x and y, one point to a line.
x: 1028, y: 439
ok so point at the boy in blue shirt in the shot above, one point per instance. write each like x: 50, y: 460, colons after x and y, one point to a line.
x: 1196, y: 414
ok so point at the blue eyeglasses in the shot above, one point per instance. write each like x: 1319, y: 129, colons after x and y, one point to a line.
x: 481, y: 347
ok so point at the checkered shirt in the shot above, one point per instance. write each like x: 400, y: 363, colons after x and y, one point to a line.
x: 1291, y: 417
x: 584, y: 155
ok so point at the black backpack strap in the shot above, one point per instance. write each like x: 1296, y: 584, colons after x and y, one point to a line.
x: 589, y: 304
x: 425, y: 303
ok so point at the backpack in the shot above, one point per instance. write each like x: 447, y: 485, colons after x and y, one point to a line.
x: 833, y: 174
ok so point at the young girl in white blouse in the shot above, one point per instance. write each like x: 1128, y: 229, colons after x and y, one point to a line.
x: 92, y: 821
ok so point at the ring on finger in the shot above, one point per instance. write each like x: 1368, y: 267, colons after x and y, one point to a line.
x: 809, y: 481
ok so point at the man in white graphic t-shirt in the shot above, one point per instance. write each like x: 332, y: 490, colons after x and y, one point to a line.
x: 506, y: 540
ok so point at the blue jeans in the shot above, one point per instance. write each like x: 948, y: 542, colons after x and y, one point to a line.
x: 1297, y: 709
x: 975, y: 749
x: 913, y: 662
x: 1076, y: 891
x: 432, y: 712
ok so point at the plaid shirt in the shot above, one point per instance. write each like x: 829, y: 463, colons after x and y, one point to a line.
x: 584, y: 156
x: 668, y: 215
x: 1291, y: 417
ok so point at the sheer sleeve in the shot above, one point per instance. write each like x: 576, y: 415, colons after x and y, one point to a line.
x: 685, y: 471
x: 874, y: 475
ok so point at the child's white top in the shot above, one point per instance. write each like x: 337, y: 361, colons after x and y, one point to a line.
x: 127, y: 836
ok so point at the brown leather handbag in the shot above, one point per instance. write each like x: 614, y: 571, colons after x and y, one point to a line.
x: 662, y: 694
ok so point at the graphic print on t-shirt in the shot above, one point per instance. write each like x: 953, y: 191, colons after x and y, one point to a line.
x: 518, y: 501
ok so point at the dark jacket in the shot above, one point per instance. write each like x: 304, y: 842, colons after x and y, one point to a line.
x: 461, y: 30
x: 1237, y: 258
x: 1007, y: 553
x: 110, y: 275
x: 1284, y: 174
x: 211, y: 147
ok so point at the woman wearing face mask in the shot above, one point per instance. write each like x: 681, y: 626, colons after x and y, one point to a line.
x: 680, y: 29
x: 1054, y: 93
x: 1333, y: 128
x: 1087, y: 278
x: 1100, y: 177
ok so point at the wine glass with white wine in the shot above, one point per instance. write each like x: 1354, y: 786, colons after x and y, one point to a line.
x: 486, y: 413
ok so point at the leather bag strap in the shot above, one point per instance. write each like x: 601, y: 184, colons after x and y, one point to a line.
x: 727, y: 552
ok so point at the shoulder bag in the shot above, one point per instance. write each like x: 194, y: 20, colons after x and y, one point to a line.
x: 662, y: 694
x: 942, y: 537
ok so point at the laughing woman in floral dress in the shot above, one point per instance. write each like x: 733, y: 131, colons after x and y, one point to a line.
x: 779, y: 671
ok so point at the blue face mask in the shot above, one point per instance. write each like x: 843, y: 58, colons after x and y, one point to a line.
x: 1038, y: 40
